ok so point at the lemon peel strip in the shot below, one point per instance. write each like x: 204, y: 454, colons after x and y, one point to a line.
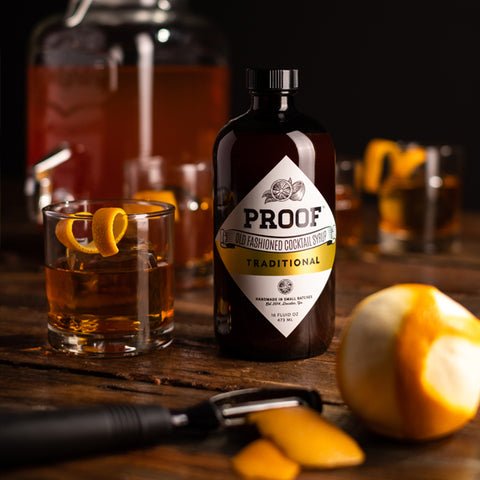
x: 377, y: 149
x: 108, y: 227
x: 263, y: 459
x: 402, y: 163
x: 64, y: 233
x: 408, y: 161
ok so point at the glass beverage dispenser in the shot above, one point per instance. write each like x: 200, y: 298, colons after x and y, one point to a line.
x: 119, y: 81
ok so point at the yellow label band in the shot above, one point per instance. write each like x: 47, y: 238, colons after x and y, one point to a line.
x: 245, y: 261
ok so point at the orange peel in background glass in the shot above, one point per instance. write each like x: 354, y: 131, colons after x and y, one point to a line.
x: 108, y: 227
x: 402, y: 162
x: 166, y: 196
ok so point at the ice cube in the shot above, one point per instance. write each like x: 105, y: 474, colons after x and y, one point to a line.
x: 131, y: 256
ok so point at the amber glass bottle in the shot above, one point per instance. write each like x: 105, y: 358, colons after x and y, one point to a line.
x: 274, y: 198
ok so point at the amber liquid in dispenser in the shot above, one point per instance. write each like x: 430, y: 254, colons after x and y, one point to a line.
x: 109, y: 116
x: 274, y: 179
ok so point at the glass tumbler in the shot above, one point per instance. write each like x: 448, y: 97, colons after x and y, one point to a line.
x: 109, y: 276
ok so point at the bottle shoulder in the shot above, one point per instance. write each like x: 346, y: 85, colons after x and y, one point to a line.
x: 281, y: 122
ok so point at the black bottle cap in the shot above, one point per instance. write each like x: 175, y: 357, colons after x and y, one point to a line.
x: 262, y: 79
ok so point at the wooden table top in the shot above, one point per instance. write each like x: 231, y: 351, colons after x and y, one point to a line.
x: 33, y: 377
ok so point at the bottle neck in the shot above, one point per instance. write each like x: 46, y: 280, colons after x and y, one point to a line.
x: 272, y: 101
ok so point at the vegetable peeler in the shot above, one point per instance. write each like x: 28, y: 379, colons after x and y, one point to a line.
x: 55, y: 435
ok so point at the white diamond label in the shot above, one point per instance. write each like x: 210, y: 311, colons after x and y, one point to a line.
x: 278, y: 244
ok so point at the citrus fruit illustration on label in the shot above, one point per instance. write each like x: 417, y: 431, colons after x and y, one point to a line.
x: 278, y: 244
x: 282, y: 190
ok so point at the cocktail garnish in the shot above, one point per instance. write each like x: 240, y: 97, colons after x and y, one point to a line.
x: 108, y: 227
x: 158, y: 196
x: 402, y: 163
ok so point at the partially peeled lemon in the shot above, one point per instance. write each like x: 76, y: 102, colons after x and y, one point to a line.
x: 109, y: 225
x: 407, y: 363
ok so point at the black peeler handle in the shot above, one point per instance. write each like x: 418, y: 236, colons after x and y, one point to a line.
x: 34, y: 437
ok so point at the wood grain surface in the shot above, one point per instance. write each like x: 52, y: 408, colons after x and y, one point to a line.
x: 33, y: 377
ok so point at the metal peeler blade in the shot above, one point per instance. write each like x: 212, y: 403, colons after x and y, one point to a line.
x: 232, y: 408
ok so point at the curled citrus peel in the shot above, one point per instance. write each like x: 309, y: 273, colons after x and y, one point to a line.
x: 108, y: 227
x: 402, y: 162
x: 64, y: 233
x: 409, y: 161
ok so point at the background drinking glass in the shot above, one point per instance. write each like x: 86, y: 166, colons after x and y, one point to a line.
x: 419, y: 197
x: 115, y: 305
x: 189, y: 188
x: 348, y: 204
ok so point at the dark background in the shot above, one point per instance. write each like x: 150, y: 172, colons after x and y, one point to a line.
x: 389, y: 69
